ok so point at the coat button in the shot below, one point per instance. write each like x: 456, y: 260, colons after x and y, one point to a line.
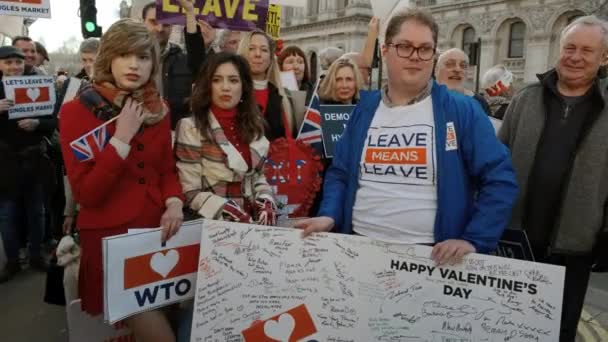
x: 140, y: 147
x: 142, y: 181
x: 140, y: 165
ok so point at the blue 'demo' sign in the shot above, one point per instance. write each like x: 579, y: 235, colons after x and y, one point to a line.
x: 334, y: 118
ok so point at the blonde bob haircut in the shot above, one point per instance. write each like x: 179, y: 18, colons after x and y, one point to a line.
x: 328, y: 85
x: 273, y: 74
x: 124, y: 37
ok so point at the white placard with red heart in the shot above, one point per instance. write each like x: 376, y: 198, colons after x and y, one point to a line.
x: 140, y: 273
x: 28, y: 9
x: 258, y: 283
x: 32, y: 96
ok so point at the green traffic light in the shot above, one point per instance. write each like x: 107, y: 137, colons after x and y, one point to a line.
x: 90, y: 26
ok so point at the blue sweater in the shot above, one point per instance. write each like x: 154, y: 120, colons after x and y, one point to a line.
x: 476, y: 186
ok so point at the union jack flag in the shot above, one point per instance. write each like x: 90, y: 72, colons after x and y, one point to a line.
x: 87, y: 146
x: 310, y: 131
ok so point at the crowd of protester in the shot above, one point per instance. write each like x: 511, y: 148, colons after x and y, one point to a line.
x: 192, y: 126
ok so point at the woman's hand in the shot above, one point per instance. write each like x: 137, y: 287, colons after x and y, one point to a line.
x: 5, y: 105
x: 171, y: 220
x: 266, y: 212
x: 28, y: 125
x: 129, y: 121
x: 233, y: 212
x: 68, y: 224
x: 187, y: 5
x: 207, y: 31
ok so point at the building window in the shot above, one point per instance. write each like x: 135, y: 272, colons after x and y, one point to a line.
x: 517, y: 35
x: 468, y: 38
x: 341, y: 4
x: 313, y: 7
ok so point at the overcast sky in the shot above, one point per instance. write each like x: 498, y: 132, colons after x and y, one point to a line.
x: 65, y: 22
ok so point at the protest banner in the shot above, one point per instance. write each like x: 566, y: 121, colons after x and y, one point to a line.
x: 237, y: 15
x: 334, y: 121
x: 26, y: 8
x: 258, y: 283
x: 32, y: 95
x: 83, y: 327
x: 141, y: 274
x: 273, y: 23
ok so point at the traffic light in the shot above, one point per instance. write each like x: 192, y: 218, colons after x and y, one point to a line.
x: 88, y: 19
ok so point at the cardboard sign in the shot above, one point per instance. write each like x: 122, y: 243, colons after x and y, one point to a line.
x: 289, y: 81
x: 334, y: 119
x: 260, y: 283
x: 26, y: 8
x: 141, y: 274
x: 32, y: 95
x: 273, y: 23
x: 83, y: 327
x: 237, y: 15
x: 514, y: 244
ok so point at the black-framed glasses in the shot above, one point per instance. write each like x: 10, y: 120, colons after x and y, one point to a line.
x: 406, y: 50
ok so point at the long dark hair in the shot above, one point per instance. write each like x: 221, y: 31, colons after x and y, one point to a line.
x: 249, y: 119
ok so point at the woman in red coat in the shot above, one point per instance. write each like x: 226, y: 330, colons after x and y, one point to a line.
x: 124, y: 177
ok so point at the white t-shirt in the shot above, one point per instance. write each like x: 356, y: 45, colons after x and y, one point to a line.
x: 397, y: 196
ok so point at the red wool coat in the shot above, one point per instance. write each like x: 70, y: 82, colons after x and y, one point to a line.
x: 115, y: 194
x: 112, y: 191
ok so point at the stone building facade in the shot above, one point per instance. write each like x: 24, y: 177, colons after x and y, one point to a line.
x: 13, y: 26
x: 522, y: 34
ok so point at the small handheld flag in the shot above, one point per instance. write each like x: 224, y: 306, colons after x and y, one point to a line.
x: 87, y: 146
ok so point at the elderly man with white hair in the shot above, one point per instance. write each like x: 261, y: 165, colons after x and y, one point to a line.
x: 451, y: 70
x: 497, y: 85
x: 556, y: 130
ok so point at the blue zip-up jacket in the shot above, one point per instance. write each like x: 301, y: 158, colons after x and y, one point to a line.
x: 476, y: 186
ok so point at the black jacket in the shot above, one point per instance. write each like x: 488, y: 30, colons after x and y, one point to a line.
x: 22, y: 153
x: 274, y: 115
x: 179, y: 71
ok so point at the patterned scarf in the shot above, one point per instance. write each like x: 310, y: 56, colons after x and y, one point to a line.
x: 105, y: 100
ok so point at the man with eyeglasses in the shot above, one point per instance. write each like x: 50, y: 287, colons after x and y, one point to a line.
x: 451, y: 70
x: 417, y: 163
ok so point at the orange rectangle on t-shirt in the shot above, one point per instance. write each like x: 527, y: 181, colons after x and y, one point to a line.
x: 138, y: 272
x: 400, y: 156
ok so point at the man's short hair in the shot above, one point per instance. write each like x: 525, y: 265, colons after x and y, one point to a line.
x: 421, y: 16
x: 148, y: 6
x: 442, y: 55
x: 19, y: 38
x: 89, y: 45
x: 42, y: 51
x: 587, y: 20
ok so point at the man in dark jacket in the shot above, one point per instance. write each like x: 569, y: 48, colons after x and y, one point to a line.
x: 556, y: 130
x: 24, y: 170
x: 178, y: 69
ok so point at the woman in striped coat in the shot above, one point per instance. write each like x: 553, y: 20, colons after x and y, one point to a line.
x: 221, y: 148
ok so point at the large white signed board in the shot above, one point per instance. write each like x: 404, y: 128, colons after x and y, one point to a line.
x: 347, y: 288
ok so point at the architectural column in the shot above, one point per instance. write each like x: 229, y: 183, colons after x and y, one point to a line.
x: 488, y: 51
x: 537, y: 50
